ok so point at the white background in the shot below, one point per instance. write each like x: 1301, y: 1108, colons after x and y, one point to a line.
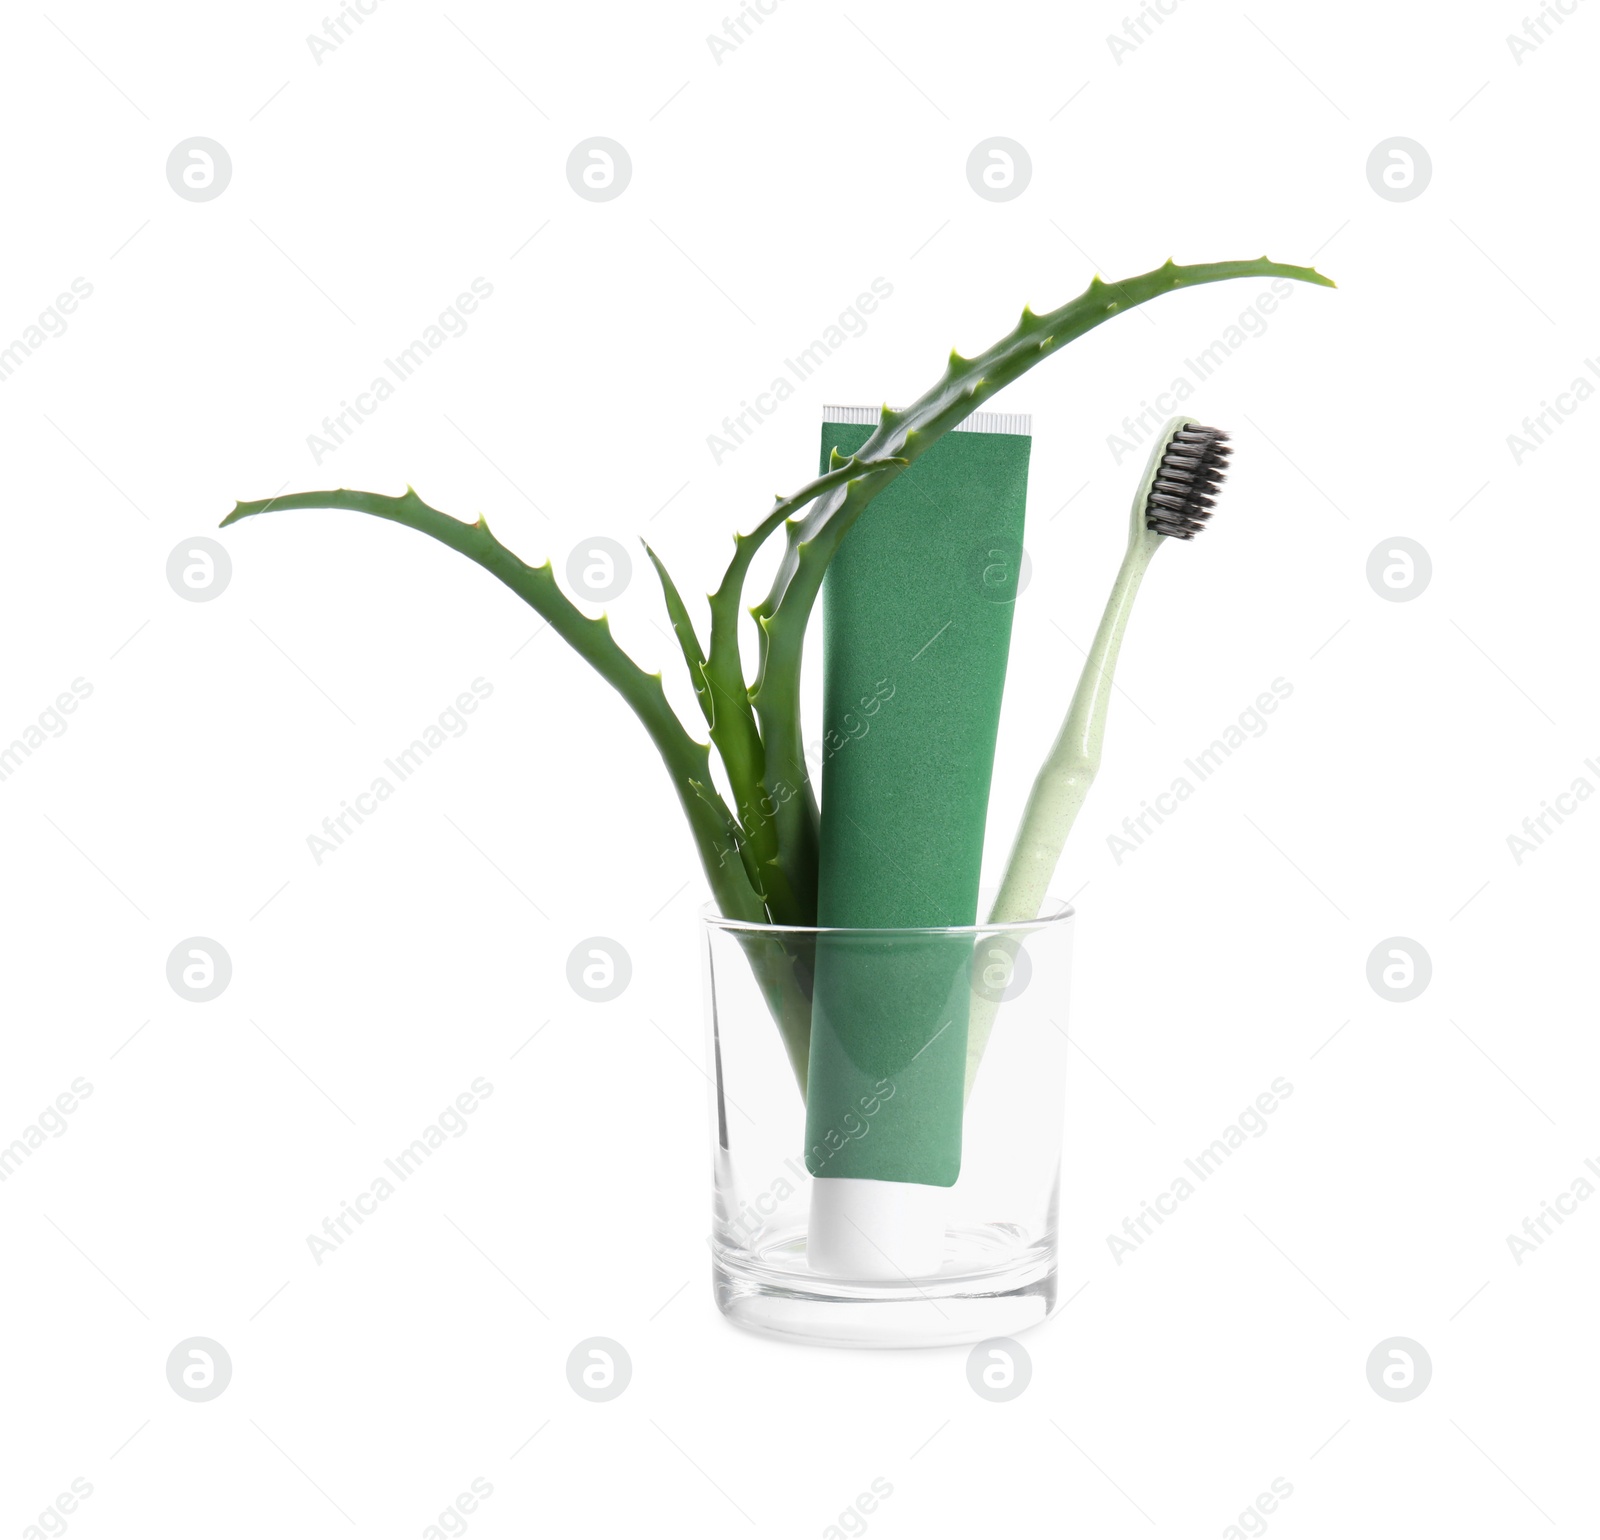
x: 768, y: 190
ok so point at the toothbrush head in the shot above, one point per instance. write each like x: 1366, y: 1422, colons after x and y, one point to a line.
x: 1187, y: 475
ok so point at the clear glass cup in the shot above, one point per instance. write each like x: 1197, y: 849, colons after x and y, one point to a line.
x: 999, y: 1219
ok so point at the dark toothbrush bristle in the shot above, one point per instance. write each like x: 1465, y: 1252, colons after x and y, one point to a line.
x: 1191, y: 471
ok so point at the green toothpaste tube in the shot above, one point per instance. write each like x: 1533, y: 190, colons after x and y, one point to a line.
x: 917, y: 609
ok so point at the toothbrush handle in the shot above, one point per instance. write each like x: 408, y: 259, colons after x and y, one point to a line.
x: 1069, y: 770
x: 1058, y: 792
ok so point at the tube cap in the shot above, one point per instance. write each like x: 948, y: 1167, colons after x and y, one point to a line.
x: 881, y: 1231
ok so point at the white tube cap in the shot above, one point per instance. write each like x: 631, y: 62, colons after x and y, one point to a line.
x: 871, y: 1230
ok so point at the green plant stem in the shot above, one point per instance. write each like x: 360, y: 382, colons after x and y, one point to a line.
x: 777, y: 809
x: 783, y: 967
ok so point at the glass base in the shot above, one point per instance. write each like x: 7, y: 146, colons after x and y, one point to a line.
x: 986, y: 1288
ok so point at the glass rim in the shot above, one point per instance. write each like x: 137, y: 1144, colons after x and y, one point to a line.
x: 1057, y: 911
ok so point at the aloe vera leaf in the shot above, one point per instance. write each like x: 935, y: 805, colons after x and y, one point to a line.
x: 775, y: 700
x: 687, y: 762
x: 767, y: 881
x: 724, y: 698
x: 783, y: 967
x: 683, y: 628
x: 963, y: 387
x: 763, y: 808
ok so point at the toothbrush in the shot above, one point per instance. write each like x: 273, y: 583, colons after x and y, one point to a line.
x: 1174, y: 501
